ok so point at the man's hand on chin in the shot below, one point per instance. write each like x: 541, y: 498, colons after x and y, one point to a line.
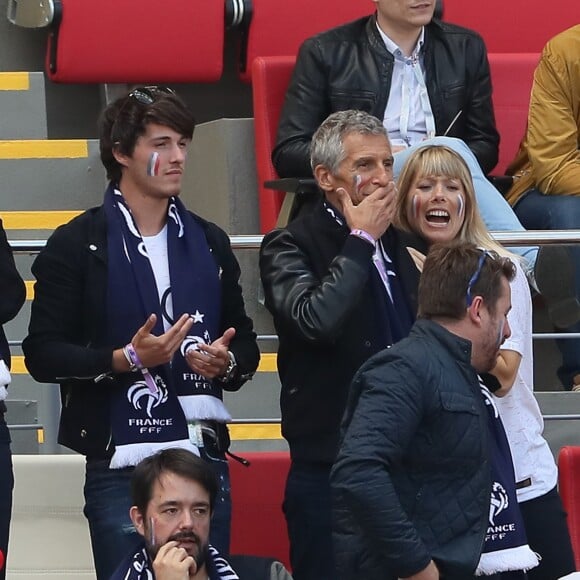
x: 429, y: 573
x: 173, y: 563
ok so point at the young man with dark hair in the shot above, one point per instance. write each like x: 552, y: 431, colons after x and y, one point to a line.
x: 138, y: 314
x: 413, y: 478
x: 174, y: 494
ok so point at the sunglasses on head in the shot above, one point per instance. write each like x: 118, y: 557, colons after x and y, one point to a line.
x: 473, y: 280
x: 145, y: 95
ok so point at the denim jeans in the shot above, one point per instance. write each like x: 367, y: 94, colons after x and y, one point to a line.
x: 307, y: 507
x: 107, y: 504
x: 6, y: 487
x: 494, y: 209
x: 557, y: 212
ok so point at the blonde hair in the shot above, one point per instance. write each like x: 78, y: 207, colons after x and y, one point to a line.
x: 440, y: 160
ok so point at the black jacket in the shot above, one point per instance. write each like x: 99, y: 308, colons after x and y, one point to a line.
x: 349, y: 67
x: 12, y: 292
x: 316, y: 280
x: 67, y: 338
x: 411, y: 481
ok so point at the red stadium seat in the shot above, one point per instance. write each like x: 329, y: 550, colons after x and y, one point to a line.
x: 122, y: 41
x: 271, y: 76
x: 512, y: 75
x: 258, y: 524
x: 279, y: 28
x: 517, y: 25
x: 569, y: 477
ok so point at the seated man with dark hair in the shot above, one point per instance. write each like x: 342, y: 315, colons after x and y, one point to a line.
x: 173, y: 493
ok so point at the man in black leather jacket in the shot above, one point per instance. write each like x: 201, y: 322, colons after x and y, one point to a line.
x: 412, y: 479
x: 350, y: 67
x: 341, y: 286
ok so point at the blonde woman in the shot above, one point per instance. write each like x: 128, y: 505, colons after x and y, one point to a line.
x: 436, y: 201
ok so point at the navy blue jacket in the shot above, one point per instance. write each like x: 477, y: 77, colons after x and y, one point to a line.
x: 412, y: 480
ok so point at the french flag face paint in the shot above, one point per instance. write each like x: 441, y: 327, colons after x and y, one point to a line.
x: 460, y: 205
x: 153, y: 165
x: 416, y: 206
x: 359, y: 183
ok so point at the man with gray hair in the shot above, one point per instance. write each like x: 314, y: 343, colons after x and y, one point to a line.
x: 341, y: 287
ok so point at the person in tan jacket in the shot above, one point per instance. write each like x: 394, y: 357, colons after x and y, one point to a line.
x: 546, y: 190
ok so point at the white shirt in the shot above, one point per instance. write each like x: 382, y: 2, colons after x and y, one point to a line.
x: 519, y: 410
x: 157, y: 251
x: 408, y: 116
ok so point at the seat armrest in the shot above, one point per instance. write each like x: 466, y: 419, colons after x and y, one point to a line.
x: 306, y: 185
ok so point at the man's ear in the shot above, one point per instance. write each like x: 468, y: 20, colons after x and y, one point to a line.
x: 120, y: 158
x: 324, y: 178
x: 474, y: 311
x: 137, y: 519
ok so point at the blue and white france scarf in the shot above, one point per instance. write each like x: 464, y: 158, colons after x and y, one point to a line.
x: 506, y: 546
x: 144, y: 422
x: 138, y: 566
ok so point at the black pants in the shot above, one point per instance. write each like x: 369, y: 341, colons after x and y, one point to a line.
x: 6, y: 486
x: 547, y: 532
x: 307, y: 507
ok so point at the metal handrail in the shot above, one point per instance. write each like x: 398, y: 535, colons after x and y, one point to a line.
x: 252, y: 242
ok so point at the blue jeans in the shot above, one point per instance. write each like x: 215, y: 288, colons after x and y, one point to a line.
x: 494, y: 209
x: 6, y: 487
x: 107, y: 504
x: 557, y: 212
x: 307, y: 507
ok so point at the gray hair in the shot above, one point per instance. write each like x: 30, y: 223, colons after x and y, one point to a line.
x: 327, y: 147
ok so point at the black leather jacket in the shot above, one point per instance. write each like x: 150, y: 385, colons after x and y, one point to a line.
x: 317, y: 286
x: 412, y: 481
x: 67, y: 338
x: 349, y: 67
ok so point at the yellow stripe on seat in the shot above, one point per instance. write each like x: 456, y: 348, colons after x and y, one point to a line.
x: 36, y: 220
x: 14, y: 81
x: 44, y: 149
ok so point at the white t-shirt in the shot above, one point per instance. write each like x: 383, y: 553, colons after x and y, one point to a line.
x: 519, y: 410
x: 157, y: 251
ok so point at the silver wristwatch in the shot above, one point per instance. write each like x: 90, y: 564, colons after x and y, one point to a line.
x: 230, y: 369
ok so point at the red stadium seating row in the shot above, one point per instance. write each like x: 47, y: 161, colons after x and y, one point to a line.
x: 111, y: 41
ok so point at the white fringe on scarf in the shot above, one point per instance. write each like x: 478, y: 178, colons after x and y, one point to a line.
x: 204, y: 407
x: 133, y: 453
x: 519, y: 558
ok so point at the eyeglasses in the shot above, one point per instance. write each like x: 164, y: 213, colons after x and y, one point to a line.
x: 144, y: 95
x: 473, y: 280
